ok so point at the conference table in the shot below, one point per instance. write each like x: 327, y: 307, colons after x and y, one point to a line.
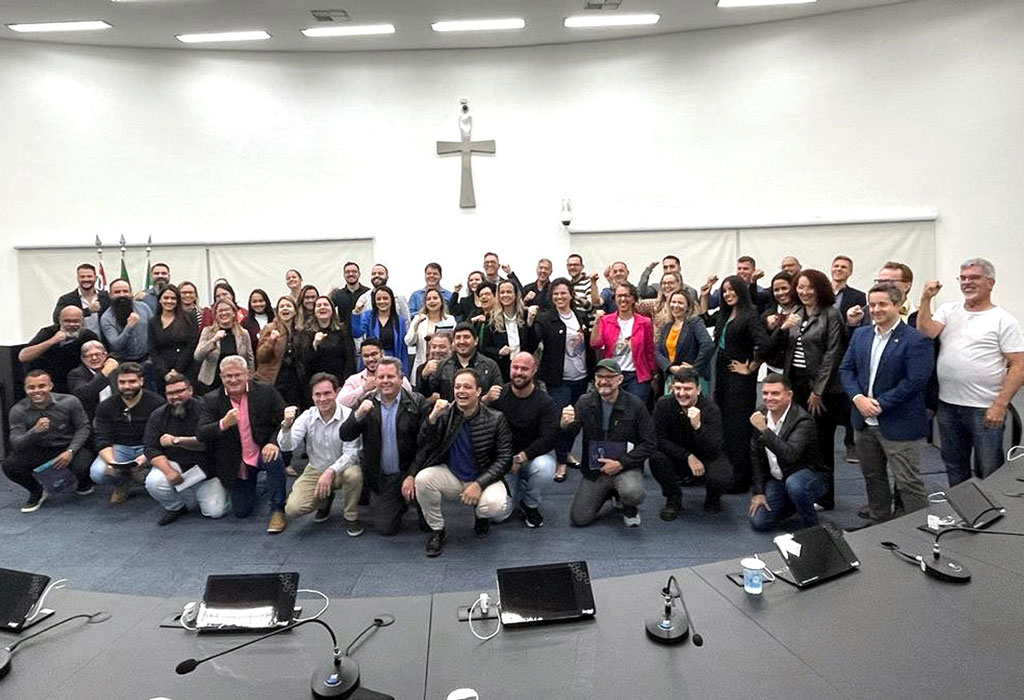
x: 883, y: 631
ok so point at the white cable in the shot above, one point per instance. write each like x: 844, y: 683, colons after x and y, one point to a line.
x: 184, y: 616
x: 937, y: 497
x: 483, y: 601
x: 1010, y: 457
x: 327, y: 602
x: 38, y: 607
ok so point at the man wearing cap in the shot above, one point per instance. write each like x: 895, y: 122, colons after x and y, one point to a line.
x: 618, y: 435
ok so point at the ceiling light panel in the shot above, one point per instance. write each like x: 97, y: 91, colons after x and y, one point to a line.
x: 761, y: 3
x: 478, y: 25
x: 217, y: 37
x: 78, y: 26
x: 350, y: 30
x: 580, y: 21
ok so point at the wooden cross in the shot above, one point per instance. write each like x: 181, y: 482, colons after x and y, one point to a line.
x: 466, y: 147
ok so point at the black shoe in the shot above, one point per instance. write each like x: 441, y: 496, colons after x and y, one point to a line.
x: 34, y: 501
x: 170, y: 516
x: 435, y: 543
x: 323, y: 513
x: 532, y: 517
x: 826, y: 504
x: 712, y: 505
x: 671, y: 510
x: 422, y: 522
x: 482, y: 526
x: 742, y: 486
x: 84, y: 489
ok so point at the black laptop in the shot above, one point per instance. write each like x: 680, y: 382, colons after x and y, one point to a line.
x: 974, y: 505
x: 814, y: 555
x: 531, y: 595
x: 251, y: 602
x: 19, y: 592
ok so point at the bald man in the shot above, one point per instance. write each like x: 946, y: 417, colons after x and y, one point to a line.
x: 533, y: 418
x: 58, y: 348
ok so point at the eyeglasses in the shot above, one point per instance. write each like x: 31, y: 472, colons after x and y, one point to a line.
x: 970, y: 278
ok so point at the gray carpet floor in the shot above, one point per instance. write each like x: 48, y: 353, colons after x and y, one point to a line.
x: 120, y: 549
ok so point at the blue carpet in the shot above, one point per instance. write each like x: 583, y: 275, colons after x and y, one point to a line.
x: 121, y: 549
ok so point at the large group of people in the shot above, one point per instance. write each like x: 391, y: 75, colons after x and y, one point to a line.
x: 405, y: 403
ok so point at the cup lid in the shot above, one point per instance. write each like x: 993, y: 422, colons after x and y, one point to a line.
x: 752, y: 563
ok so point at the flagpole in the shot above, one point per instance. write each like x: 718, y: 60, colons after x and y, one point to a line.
x: 124, y: 266
x: 101, y: 274
x: 149, y: 264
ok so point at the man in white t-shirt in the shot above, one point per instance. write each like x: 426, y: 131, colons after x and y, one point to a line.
x: 980, y: 368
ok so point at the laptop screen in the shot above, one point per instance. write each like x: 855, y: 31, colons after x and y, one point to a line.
x: 253, y: 591
x: 545, y: 593
x: 973, y: 505
x: 19, y: 591
x: 813, y: 555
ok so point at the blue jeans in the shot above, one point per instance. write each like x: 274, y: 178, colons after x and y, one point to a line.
x: 960, y: 429
x: 567, y: 393
x: 528, y: 484
x: 122, y: 453
x: 641, y: 390
x: 243, y: 494
x: 797, y: 495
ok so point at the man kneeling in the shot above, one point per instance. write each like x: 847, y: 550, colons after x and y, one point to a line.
x: 332, y: 463
x: 174, y: 451
x: 465, y: 453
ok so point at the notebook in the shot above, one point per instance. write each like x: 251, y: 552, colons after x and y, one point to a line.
x: 247, y: 602
x: 19, y: 591
x: 545, y: 593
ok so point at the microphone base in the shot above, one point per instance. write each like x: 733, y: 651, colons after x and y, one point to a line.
x: 330, y: 681
x: 674, y: 630
x: 945, y: 569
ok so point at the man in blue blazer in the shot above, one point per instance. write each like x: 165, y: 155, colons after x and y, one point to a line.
x: 885, y: 372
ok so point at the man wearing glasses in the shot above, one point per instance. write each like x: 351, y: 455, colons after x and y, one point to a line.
x: 980, y: 368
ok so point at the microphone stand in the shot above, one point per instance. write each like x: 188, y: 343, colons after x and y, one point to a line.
x: 339, y: 678
x: 673, y: 627
x: 941, y: 567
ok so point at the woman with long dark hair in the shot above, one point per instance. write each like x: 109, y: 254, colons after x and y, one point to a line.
x: 384, y: 323
x: 259, y: 314
x: 190, y: 301
x: 278, y: 361
x: 221, y: 290
x: 467, y: 307
x: 173, y: 335
x: 741, y: 342
x: 567, y: 360
x: 810, y: 342
x: 307, y: 300
x: 786, y: 302
x: 327, y: 344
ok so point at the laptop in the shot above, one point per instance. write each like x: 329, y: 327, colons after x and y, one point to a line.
x: 975, y: 507
x: 247, y: 602
x: 814, y: 555
x: 19, y: 592
x: 531, y: 595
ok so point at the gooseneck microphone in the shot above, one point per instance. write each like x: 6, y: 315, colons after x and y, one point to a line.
x: 7, y: 652
x: 674, y: 626
x: 939, y: 566
x: 338, y: 678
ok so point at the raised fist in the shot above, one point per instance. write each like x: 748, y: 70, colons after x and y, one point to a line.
x: 365, y: 406
x: 289, y: 416
x: 568, y: 416
x: 440, y: 406
x: 931, y: 288
x: 693, y: 413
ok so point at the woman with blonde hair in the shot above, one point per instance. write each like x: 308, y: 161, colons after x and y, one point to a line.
x: 431, y: 318
x: 658, y: 309
x: 224, y: 336
x: 504, y: 332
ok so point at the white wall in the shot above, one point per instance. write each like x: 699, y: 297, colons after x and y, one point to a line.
x: 908, y: 106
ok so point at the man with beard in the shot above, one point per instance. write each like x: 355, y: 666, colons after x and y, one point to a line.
x: 119, y: 432
x: 465, y: 451
x: 345, y: 297
x: 379, y: 278
x: 125, y: 324
x: 174, y: 451
x: 533, y: 420
x: 90, y: 382
x: 47, y: 427
x: 161, y: 274
x: 57, y: 348
x: 85, y: 296
x: 442, y: 382
x: 432, y: 279
x: 361, y: 384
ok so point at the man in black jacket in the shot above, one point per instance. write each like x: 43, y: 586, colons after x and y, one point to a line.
x: 533, y: 420
x: 85, y: 296
x: 57, y: 348
x: 239, y: 424
x: 689, y: 429
x: 465, y: 451
x: 90, y: 382
x: 389, y: 423
x: 789, y: 475
x: 442, y: 382
x: 618, y: 435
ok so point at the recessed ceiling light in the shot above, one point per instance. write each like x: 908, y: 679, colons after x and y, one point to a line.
x: 257, y: 35
x: 761, y: 3
x: 83, y: 26
x: 611, y: 20
x: 350, y: 30
x: 478, y: 25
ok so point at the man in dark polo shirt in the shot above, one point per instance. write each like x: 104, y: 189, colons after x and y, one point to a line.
x: 57, y: 348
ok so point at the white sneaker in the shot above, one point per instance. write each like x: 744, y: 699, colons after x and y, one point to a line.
x: 631, y: 520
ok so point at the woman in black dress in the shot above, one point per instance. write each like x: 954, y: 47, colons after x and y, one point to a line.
x: 172, y: 337
x: 327, y: 344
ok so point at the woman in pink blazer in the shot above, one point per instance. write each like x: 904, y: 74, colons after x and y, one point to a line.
x: 627, y: 338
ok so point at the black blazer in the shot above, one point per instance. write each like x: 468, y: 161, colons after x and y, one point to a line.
x: 336, y: 353
x: 852, y: 297
x: 493, y: 340
x: 411, y: 412
x: 823, y: 341
x: 172, y: 347
x: 86, y: 387
x: 72, y: 299
x: 795, y: 448
x: 746, y: 338
x: 549, y: 330
x: 266, y: 411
